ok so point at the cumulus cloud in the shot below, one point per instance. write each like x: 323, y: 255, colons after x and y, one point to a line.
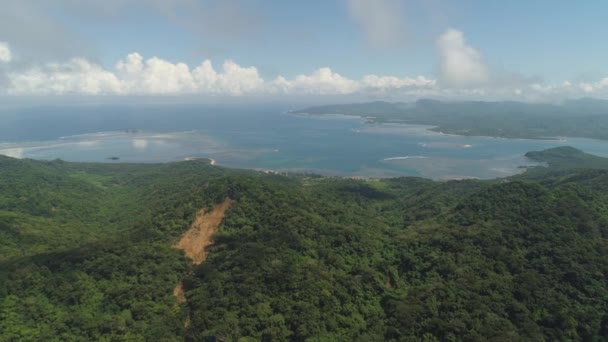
x: 461, y: 64
x: 386, y: 84
x: 595, y: 86
x: 321, y: 82
x: 78, y: 76
x: 380, y: 20
x: 154, y: 76
x: 234, y: 79
x: 5, y: 53
x: 158, y: 76
x: 570, y: 89
x: 136, y: 75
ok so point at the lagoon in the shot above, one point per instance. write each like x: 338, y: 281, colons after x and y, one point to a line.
x: 263, y: 138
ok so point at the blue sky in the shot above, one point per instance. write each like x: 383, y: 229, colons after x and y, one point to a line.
x: 512, y: 45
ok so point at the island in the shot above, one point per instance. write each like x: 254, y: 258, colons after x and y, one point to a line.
x: 584, y: 118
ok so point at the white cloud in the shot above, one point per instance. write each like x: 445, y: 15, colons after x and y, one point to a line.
x: 381, y: 21
x: 135, y: 75
x: 321, y: 82
x: 326, y: 82
x: 237, y: 80
x: 568, y: 89
x: 157, y: 76
x: 78, y: 76
x: 461, y: 64
x: 594, y: 87
x: 5, y: 53
x: 384, y: 84
x: 154, y: 76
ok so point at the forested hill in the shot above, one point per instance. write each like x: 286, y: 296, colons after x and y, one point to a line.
x: 567, y: 157
x: 87, y: 252
x: 587, y: 118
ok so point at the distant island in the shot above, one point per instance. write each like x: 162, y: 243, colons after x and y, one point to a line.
x: 584, y: 118
x: 113, y: 158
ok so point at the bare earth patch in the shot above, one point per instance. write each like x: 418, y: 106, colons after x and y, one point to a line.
x: 197, y: 239
x: 178, y: 292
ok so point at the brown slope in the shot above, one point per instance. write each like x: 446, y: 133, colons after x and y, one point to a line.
x: 197, y: 239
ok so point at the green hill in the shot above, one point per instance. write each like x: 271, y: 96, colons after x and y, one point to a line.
x: 86, y: 254
x: 587, y: 118
x: 567, y: 157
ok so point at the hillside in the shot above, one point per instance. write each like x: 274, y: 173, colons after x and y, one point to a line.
x: 586, y: 118
x: 88, y: 253
x: 567, y: 157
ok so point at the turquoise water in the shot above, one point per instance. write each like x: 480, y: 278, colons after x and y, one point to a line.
x: 263, y: 138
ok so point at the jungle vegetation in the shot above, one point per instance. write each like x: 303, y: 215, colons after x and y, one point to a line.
x: 86, y: 254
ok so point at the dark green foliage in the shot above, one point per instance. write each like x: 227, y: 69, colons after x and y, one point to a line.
x: 86, y: 255
x: 567, y: 157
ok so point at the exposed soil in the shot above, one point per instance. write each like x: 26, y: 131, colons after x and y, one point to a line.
x: 197, y: 239
x: 178, y: 292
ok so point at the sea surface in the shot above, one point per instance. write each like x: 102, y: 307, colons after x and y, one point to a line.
x: 262, y: 138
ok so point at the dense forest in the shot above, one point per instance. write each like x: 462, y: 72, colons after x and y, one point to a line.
x: 584, y: 118
x: 87, y: 253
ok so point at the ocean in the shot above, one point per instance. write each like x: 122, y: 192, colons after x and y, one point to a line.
x: 262, y: 138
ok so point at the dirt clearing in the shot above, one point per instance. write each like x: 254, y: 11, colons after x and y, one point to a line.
x: 178, y: 293
x: 197, y: 239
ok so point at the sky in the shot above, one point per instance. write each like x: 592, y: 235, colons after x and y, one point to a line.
x: 353, y: 49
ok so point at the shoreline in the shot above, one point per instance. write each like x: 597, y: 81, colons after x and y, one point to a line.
x: 211, y: 160
x: 435, y: 128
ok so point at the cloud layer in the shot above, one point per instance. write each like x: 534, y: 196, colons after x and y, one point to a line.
x: 135, y: 75
x: 461, y: 64
x: 463, y: 74
x: 5, y: 53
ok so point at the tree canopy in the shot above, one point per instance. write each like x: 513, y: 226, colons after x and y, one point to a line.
x: 86, y: 254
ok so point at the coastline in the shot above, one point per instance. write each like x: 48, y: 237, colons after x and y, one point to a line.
x: 211, y: 160
x: 434, y: 128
